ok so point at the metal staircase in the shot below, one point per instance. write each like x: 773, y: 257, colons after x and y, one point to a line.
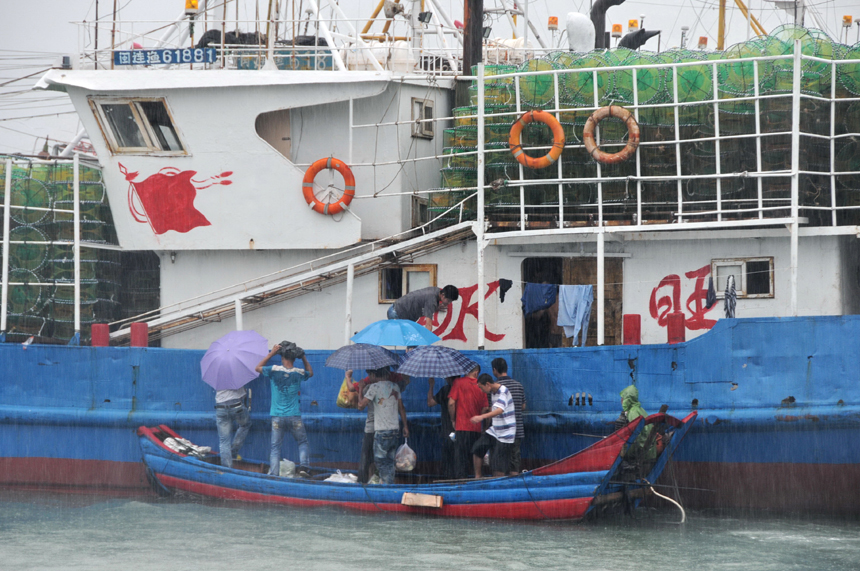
x: 307, y: 277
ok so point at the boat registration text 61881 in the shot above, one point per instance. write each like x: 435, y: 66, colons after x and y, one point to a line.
x: 158, y: 57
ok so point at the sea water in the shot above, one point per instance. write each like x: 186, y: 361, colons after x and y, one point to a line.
x: 94, y: 533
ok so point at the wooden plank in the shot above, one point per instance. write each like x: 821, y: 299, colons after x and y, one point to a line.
x: 421, y: 500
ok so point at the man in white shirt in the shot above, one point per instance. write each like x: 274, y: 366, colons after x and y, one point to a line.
x: 387, y: 407
x: 499, y: 438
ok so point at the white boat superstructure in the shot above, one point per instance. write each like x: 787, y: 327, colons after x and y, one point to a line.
x: 206, y: 165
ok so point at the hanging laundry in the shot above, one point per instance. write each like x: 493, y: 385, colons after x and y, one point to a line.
x: 537, y: 297
x: 574, y: 310
x: 711, y: 300
x: 731, y: 297
x: 504, y: 286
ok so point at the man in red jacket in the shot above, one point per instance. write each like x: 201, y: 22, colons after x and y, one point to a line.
x: 465, y: 401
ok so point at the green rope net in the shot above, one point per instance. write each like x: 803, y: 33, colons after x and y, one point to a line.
x: 716, y: 94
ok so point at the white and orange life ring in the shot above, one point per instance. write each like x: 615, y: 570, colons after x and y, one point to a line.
x: 348, y: 190
x: 632, y: 135
x: 557, y: 139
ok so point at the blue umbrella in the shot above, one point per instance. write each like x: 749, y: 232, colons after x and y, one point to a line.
x: 361, y: 356
x: 435, y: 361
x: 230, y: 362
x: 396, y: 333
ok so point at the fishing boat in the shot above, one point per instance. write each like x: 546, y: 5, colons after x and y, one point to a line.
x: 746, y: 166
x: 568, y: 489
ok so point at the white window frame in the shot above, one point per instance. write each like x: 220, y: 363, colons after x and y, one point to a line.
x: 146, y: 129
x: 422, y: 130
x: 420, y: 214
x: 429, y: 268
x: 741, y: 281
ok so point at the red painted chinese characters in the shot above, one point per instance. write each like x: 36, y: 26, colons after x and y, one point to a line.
x: 661, y: 305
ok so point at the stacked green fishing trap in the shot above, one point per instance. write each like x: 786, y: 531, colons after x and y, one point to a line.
x: 597, y: 79
x: 42, y: 302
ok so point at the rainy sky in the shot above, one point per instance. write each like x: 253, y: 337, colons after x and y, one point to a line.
x: 36, y: 39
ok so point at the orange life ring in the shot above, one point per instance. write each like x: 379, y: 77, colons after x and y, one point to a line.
x: 348, y: 189
x: 632, y: 135
x: 557, y: 139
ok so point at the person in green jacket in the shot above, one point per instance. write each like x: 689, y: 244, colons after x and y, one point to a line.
x: 632, y: 410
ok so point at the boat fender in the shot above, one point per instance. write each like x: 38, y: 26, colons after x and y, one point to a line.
x: 632, y: 135
x: 557, y: 139
x: 348, y: 189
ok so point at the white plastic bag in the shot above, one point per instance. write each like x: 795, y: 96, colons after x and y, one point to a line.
x: 287, y: 469
x: 342, y: 478
x: 405, y: 458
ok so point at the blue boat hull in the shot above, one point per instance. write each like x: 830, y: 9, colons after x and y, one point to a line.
x: 778, y: 402
x: 566, y: 489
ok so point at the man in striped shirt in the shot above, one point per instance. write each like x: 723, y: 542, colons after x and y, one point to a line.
x: 499, y: 438
x: 500, y: 371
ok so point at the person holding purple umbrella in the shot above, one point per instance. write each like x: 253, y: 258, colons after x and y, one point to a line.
x: 285, y: 380
x: 227, y: 367
x: 230, y: 407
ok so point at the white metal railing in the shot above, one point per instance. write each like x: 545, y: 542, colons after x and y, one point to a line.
x: 338, y: 42
x: 758, y: 209
x: 75, y: 243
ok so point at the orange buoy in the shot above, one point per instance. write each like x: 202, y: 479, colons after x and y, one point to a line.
x: 348, y: 189
x: 632, y: 132
x: 557, y: 139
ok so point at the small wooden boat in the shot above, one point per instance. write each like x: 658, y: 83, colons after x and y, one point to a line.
x: 567, y: 489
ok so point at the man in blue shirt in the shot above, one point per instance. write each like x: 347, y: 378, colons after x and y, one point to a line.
x: 285, y: 380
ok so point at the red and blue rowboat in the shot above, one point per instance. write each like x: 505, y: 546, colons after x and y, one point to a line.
x: 567, y: 489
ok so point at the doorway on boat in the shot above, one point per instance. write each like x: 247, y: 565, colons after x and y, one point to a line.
x: 540, y: 329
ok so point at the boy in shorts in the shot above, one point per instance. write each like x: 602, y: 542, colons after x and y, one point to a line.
x: 499, y: 438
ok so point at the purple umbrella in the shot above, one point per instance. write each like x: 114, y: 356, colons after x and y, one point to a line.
x: 230, y: 361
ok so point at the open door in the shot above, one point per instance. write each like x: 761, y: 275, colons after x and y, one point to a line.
x: 540, y: 329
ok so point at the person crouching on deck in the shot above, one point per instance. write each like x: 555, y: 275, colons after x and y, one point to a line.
x: 387, y: 404
x: 285, y: 380
x: 499, y: 438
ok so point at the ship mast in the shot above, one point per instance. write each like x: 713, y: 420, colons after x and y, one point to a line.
x: 721, y: 27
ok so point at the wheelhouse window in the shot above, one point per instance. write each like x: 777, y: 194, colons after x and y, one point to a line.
x: 397, y: 281
x: 753, y: 276
x: 138, y: 126
x: 422, y: 115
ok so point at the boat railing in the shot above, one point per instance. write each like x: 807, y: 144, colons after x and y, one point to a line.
x: 314, y: 43
x: 780, y: 148
x: 51, y: 245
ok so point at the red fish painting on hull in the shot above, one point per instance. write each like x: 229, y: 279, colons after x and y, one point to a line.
x: 165, y: 200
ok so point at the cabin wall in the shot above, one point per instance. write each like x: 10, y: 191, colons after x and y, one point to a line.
x: 316, y: 319
x: 248, y: 193
x: 323, y: 130
x: 827, y: 285
x: 678, y: 257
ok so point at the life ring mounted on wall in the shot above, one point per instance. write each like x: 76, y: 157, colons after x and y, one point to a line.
x: 348, y: 190
x: 632, y: 135
x: 557, y: 139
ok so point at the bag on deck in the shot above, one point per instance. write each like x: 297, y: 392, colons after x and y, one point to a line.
x: 405, y: 458
x: 345, y: 398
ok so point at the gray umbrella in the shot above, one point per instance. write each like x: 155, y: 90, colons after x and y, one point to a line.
x: 362, y: 356
x: 435, y: 361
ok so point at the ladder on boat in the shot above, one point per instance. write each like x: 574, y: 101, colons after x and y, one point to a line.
x: 307, y: 277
